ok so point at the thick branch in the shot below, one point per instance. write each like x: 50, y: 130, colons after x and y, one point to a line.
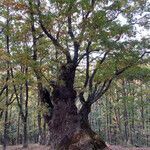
x: 76, y: 50
x: 87, y: 64
x: 93, y: 97
x: 70, y: 30
x: 81, y: 98
x: 3, y: 89
x: 75, y: 43
x: 91, y: 79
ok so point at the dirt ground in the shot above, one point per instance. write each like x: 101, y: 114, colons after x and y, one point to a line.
x: 117, y: 147
x: 40, y: 147
x: 31, y: 147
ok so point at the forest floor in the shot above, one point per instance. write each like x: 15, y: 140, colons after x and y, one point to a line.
x: 41, y: 147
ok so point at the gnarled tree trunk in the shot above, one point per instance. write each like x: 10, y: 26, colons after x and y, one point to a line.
x: 68, y: 128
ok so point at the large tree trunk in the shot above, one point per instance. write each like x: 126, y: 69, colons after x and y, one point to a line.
x: 68, y: 128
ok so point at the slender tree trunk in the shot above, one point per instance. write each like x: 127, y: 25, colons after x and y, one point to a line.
x: 39, y: 123
x: 18, y: 129
x: 118, y: 123
x: 125, y: 113
x: 44, y: 133
x: 110, y: 120
x: 5, y: 140
x: 131, y: 114
x: 117, y: 110
x: 107, y: 121
x: 142, y: 109
x: 40, y: 103
x: 12, y: 139
x: 36, y: 70
x: 25, y: 139
x: 23, y: 105
x: 25, y: 118
x: 125, y: 123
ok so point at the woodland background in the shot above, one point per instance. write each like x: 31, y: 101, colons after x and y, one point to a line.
x: 121, y: 116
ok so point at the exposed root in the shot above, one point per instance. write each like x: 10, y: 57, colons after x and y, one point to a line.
x: 82, y: 141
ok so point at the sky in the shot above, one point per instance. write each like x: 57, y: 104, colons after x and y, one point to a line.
x: 141, y: 32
